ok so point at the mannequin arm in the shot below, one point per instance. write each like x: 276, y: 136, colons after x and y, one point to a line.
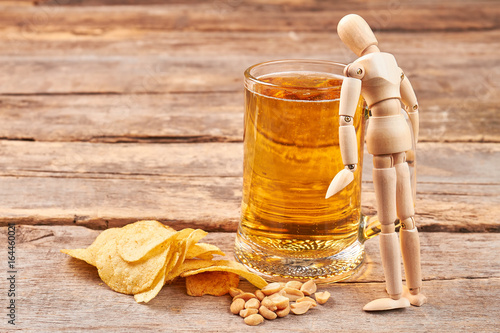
x: 349, y: 97
x: 411, y: 105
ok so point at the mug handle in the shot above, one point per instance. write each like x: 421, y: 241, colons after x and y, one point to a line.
x: 370, y: 225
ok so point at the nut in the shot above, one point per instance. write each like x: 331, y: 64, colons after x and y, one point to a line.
x: 322, y: 297
x: 307, y: 299
x: 271, y: 288
x: 235, y: 291
x: 254, y: 319
x: 300, y: 308
x: 279, y: 293
x: 248, y: 312
x: 244, y: 296
x: 266, y: 313
x: 237, y: 306
x: 268, y: 303
x: 281, y: 302
x: 252, y: 303
x: 259, y: 294
x: 294, y: 284
x: 283, y: 312
x: 309, y: 288
x: 293, y: 294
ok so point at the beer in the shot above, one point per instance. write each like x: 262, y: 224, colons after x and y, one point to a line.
x: 291, y: 154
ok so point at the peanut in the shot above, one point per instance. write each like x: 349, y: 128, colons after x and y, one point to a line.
x: 266, y: 313
x: 244, y: 296
x: 294, y: 284
x: 300, y: 308
x: 276, y: 294
x: 271, y: 288
x: 309, y: 288
x: 268, y: 303
x: 283, y: 312
x: 254, y: 319
x: 322, y: 297
x: 281, y: 302
x: 307, y: 299
x: 248, y: 312
x: 293, y: 294
x: 274, y: 300
x: 260, y: 295
x: 252, y: 303
x: 237, y: 305
x: 235, y: 291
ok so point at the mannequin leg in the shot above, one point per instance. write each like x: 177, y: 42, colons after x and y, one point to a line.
x: 384, y: 180
x: 410, y: 244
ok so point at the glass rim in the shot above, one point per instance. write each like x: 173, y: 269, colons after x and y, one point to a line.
x: 249, y: 76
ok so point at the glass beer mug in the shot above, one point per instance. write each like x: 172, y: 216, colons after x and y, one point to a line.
x: 288, y: 230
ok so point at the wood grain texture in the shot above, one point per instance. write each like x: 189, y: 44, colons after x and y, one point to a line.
x: 59, y: 293
x: 150, y: 55
x: 110, y: 87
x: 443, y: 77
x: 124, y: 118
x: 218, y: 117
x: 261, y: 16
x: 118, y: 110
x: 100, y: 185
x: 439, y: 253
x: 100, y: 50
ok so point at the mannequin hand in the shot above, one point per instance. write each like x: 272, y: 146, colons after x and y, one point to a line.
x: 341, y: 180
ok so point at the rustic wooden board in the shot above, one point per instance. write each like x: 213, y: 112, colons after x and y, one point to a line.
x: 215, y: 61
x: 195, y: 117
x: 100, y: 185
x: 210, y: 201
x: 455, y: 74
x: 56, y: 292
x: 260, y: 16
x: 478, y: 45
x: 199, y: 117
x: 294, y: 5
x: 482, y: 249
x: 439, y: 163
x: 441, y: 77
x: 163, y: 86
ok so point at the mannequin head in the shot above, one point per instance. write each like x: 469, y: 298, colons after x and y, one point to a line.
x: 357, y: 34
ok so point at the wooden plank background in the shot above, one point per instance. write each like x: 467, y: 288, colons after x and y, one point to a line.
x: 118, y: 110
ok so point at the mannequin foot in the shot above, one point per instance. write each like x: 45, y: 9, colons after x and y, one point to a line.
x: 383, y: 304
x: 416, y: 300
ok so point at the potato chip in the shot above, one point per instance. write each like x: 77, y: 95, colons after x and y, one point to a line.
x: 182, y: 242
x: 125, y: 277
x: 192, y: 267
x: 142, y: 257
x: 140, y: 238
x: 189, y: 237
x: 89, y: 254
x: 148, y: 295
x: 203, y: 251
x: 188, y: 265
x: 82, y: 254
x: 193, y: 238
x: 158, y: 282
x: 211, y: 283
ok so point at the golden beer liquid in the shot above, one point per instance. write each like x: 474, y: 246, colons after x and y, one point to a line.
x: 291, y: 154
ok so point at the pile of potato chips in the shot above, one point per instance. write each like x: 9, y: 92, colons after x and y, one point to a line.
x: 140, y: 258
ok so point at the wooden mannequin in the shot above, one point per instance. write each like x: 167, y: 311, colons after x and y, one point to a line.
x: 383, y: 85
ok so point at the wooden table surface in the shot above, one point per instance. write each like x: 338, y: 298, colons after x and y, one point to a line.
x: 115, y: 111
